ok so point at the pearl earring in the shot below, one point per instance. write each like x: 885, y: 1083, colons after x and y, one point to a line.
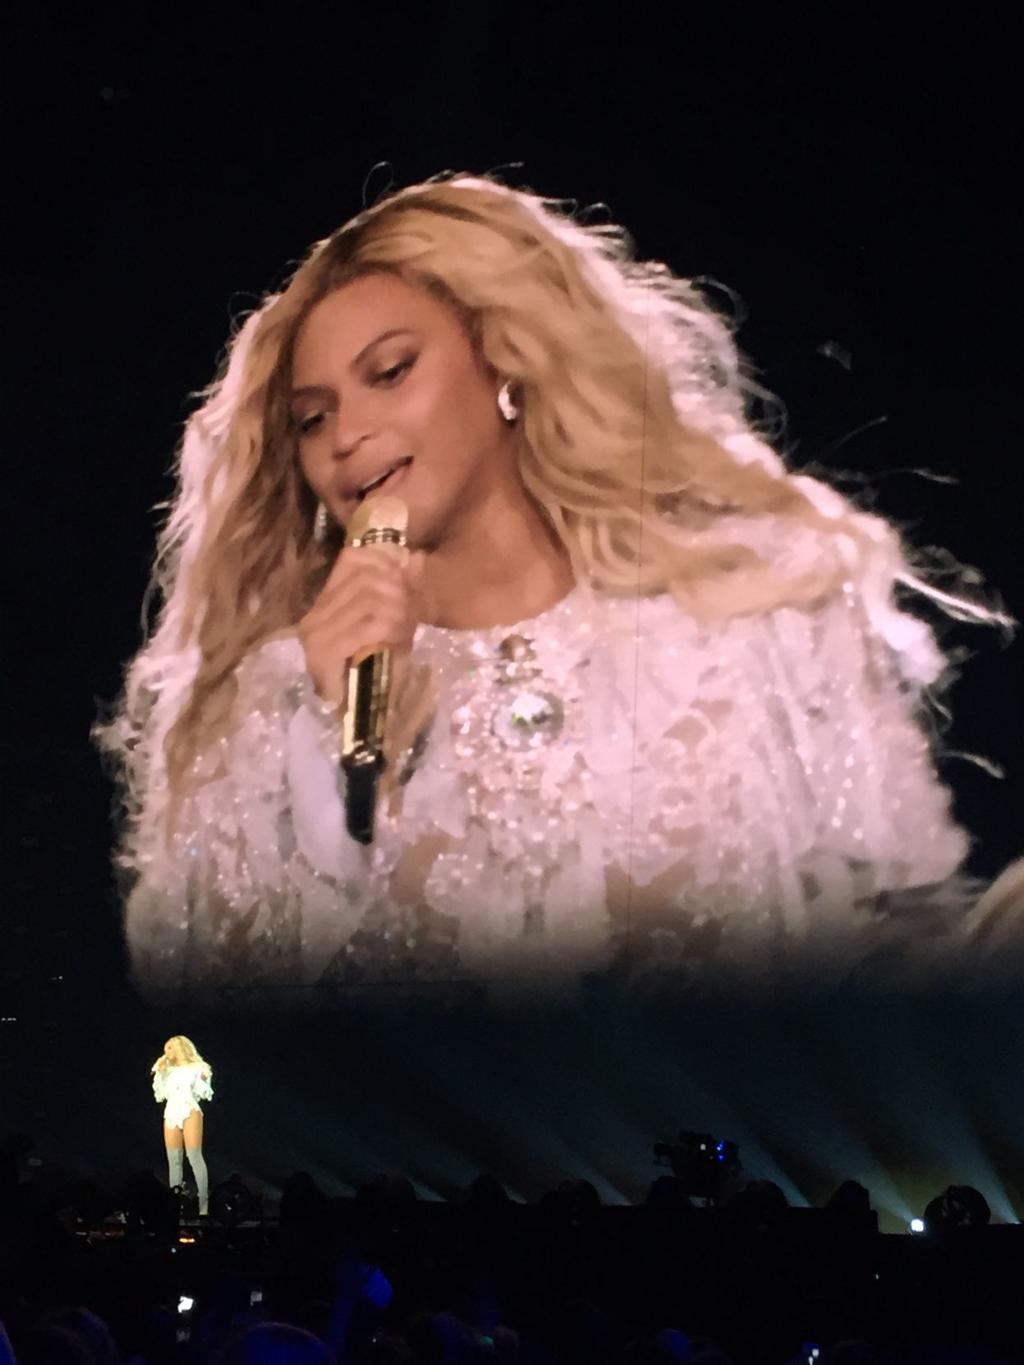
x: 506, y: 403
x: 320, y: 524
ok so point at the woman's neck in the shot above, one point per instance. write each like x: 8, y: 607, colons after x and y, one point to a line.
x: 503, y: 568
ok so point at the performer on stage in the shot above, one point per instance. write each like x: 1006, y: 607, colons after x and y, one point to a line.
x: 180, y: 1080
x: 655, y: 706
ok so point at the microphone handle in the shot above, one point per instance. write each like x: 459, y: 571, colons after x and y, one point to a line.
x: 362, y: 755
x: 382, y: 521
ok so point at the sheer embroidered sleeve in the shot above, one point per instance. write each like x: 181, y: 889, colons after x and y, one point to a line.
x: 227, y: 898
x: 764, y: 781
x: 883, y: 829
x: 880, y: 795
x: 202, y: 1084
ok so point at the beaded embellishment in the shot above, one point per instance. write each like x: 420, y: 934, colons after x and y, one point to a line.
x: 528, y: 717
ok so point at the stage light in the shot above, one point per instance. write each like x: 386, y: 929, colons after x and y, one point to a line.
x: 916, y: 1225
x: 960, y: 1206
x: 704, y: 1164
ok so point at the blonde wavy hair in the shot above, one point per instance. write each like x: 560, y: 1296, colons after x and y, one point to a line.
x: 187, y: 1049
x: 635, y: 439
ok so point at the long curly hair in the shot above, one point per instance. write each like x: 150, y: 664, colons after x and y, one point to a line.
x: 636, y: 439
x: 187, y: 1049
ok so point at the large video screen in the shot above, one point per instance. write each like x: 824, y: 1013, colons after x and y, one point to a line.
x: 527, y: 754
x: 497, y: 643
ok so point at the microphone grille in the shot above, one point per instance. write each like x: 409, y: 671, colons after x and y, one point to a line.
x: 386, y: 513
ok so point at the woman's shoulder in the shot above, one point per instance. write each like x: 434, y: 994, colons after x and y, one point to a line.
x: 667, y: 617
x: 833, y: 638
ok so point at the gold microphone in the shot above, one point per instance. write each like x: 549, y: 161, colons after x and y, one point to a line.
x: 378, y: 521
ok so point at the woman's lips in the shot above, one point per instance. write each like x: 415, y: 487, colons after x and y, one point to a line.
x: 389, y: 482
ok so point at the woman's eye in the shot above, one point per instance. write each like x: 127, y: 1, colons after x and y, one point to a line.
x: 304, y: 425
x: 395, y: 372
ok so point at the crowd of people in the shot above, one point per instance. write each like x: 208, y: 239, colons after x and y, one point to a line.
x: 387, y: 1279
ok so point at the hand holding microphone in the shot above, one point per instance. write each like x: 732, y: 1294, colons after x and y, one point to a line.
x: 357, y: 633
x: 369, y: 602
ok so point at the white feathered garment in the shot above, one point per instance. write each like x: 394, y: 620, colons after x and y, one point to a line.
x: 619, y: 783
x: 180, y: 1088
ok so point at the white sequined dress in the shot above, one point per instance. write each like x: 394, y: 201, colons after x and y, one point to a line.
x: 609, y: 783
x: 180, y: 1088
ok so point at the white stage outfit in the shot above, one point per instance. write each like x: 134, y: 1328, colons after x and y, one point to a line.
x: 611, y: 782
x: 180, y: 1089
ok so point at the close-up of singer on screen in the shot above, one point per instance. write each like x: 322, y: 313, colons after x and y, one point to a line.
x: 498, y: 642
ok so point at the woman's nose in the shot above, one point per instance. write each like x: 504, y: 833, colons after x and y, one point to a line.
x: 353, y: 427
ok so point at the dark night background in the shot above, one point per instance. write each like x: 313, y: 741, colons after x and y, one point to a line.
x: 850, y: 183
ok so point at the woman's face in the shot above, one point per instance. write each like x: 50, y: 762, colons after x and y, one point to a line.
x: 386, y: 382
x: 172, y: 1051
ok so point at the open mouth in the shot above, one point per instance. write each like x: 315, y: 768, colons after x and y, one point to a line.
x: 374, y: 485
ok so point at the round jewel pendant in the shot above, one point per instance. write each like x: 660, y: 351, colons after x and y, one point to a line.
x: 528, y: 719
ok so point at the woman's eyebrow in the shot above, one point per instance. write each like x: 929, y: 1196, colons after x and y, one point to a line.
x: 384, y: 336
x: 318, y: 389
